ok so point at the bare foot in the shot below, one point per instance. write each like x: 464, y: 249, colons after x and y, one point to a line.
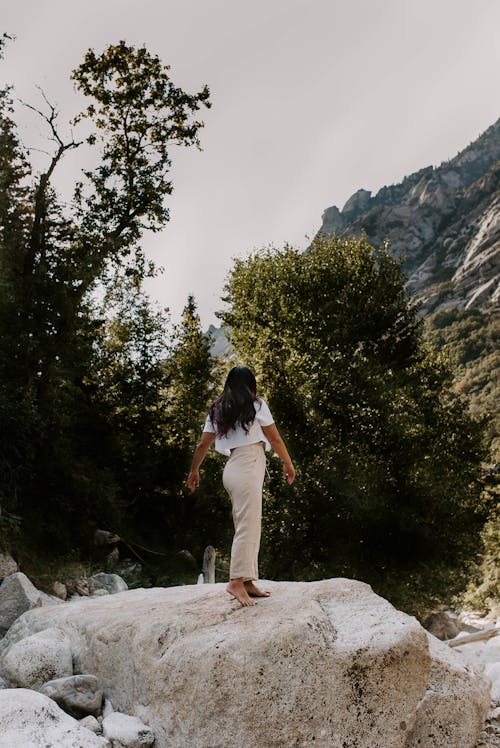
x: 236, y: 588
x: 254, y: 591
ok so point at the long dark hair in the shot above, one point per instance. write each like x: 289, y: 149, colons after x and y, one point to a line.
x: 236, y: 403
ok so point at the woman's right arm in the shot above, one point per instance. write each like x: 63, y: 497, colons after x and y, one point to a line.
x: 201, y: 450
x: 273, y: 436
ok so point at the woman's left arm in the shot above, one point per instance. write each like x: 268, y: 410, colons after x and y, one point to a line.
x: 206, y: 439
x: 273, y: 436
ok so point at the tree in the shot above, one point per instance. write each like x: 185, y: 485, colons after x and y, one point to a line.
x: 388, y: 461
x: 53, y: 258
x: 195, y: 375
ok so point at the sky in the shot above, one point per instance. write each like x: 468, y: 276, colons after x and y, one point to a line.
x: 311, y: 101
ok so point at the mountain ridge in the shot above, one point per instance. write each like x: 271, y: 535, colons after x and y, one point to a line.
x: 443, y: 220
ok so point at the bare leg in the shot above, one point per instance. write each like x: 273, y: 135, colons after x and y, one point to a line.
x: 237, y: 589
x: 254, y: 591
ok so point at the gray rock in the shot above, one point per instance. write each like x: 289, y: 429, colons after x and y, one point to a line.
x: 7, y: 566
x: 38, y: 658
x: 31, y: 720
x: 110, y: 582
x: 78, y: 695
x: 4, y: 683
x: 126, y: 731
x: 105, y: 537
x: 17, y: 595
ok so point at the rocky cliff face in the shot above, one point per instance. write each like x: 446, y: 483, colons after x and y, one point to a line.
x: 444, y: 220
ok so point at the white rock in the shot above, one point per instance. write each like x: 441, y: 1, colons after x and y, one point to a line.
x: 91, y: 723
x: 454, y: 706
x: 38, y: 658
x: 329, y: 661
x: 107, y: 708
x: 7, y: 566
x: 17, y: 594
x: 492, y: 670
x: 30, y: 720
x: 128, y: 731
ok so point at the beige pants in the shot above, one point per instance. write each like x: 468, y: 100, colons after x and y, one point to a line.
x: 243, y: 479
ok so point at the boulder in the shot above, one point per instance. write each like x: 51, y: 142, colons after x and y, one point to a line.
x: 29, y: 719
x: 325, y: 663
x: 17, y: 594
x: 453, y: 709
x: 125, y: 731
x: 36, y: 659
x: 112, y: 583
x: 78, y: 695
x: 7, y: 566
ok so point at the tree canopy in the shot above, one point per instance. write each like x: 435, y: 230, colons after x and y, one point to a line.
x: 388, y: 459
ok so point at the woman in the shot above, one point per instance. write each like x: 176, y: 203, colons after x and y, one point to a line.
x: 241, y: 424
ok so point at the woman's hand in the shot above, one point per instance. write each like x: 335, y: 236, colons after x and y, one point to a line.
x: 193, y: 480
x: 288, y: 472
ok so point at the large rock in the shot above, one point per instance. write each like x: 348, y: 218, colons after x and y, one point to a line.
x: 322, y: 663
x: 455, y: 704
x: 36, y: 659
x: 17, y: 594
x: 30, y: 720
x: 79, y: 695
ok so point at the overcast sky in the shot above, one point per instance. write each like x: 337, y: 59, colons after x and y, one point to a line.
x: 312, y: 100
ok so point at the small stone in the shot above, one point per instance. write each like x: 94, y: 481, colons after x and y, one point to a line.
x: 107, y: 708
x: 4, y: 683
x: 7, y: 566
x: 82, y: 587
x: 128, y: 731
x: 110, y: 582
x: 78, y: 695
x: 105, y: 537
x: 100, y: 593
x: 91, y: 723
x: 60, y: 590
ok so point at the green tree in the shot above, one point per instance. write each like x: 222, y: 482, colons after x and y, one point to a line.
x: 387, y: 460
x: 195, y: 375
x: 53, y: 258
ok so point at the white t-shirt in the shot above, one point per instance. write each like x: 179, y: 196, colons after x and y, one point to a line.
x: 237, y: 436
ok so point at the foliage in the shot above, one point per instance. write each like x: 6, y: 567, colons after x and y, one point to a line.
x: 388, y: 462
x: 81, y: 403
x: 470, y: 339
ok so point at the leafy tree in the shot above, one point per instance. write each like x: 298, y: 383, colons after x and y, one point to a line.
x: 202, y: 517
x: 55, y: 451
x: 387, y: 460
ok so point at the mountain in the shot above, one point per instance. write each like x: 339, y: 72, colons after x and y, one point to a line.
x: 444, y: 221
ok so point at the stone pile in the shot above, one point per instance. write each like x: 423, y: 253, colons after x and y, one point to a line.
x: 44, y: 700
